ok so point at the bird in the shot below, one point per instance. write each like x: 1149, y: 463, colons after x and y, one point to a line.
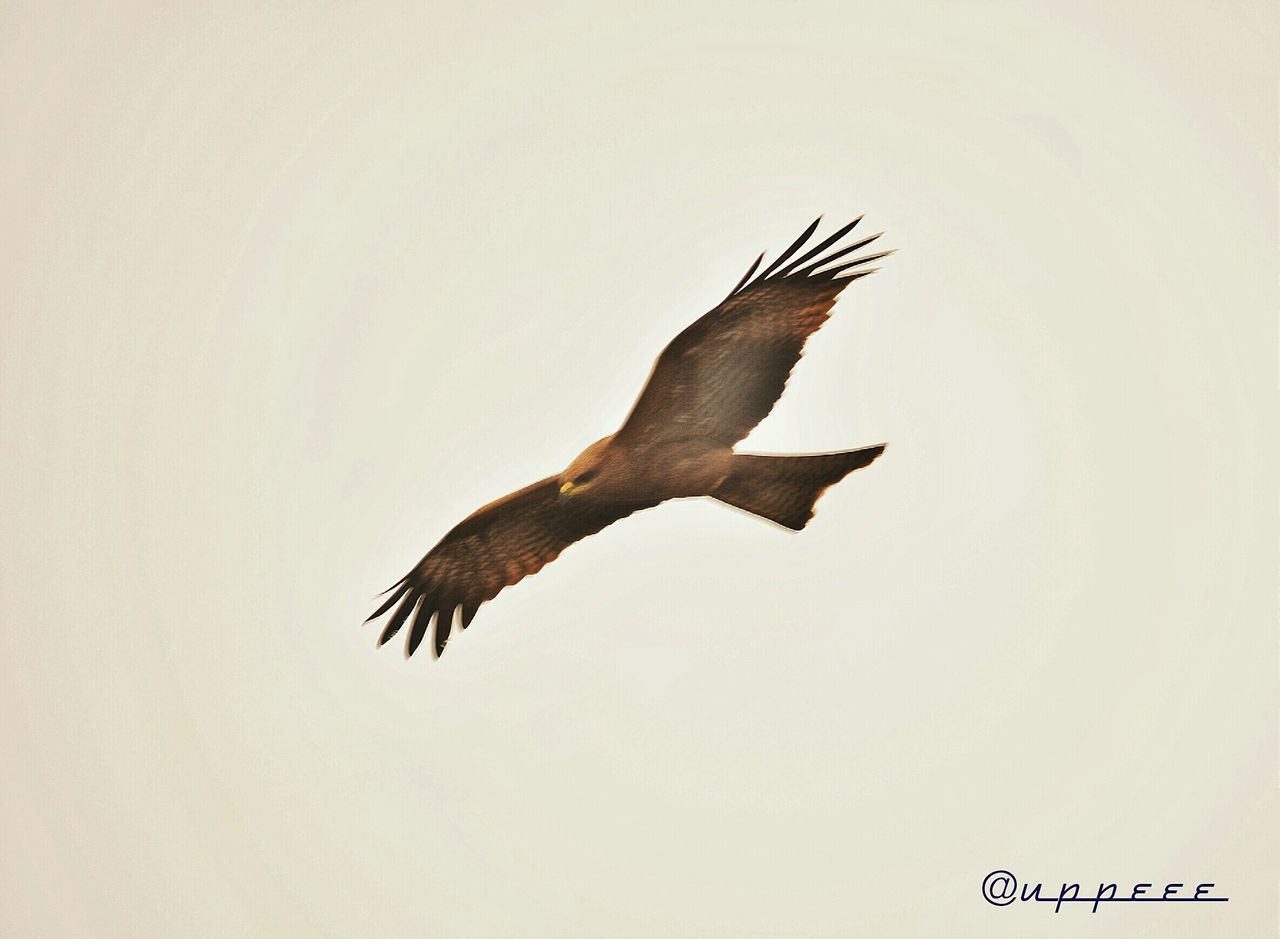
x: 711, y: 385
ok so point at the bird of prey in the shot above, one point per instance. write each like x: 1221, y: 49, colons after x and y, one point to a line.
x: 709, y: 387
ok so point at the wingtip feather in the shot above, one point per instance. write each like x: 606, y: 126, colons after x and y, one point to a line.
x: 419, y: 629
x: 819, y: 248
x: 400, y: 590
x: 791, y: 249
x: 444, y: 625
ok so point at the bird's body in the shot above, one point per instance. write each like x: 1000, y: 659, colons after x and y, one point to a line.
x: 712, y: 384
x: 626, y: 470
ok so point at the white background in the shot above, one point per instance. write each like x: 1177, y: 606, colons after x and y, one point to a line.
x: 288, y: 292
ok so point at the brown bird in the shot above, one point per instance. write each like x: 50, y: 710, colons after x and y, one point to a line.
x: 711, y: 385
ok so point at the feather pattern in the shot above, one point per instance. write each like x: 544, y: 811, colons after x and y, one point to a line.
x: 782, y: 258
x: 722, y: 375
x: 494, y: 548
x: 820, y: 247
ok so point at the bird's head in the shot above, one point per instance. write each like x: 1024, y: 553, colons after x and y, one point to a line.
x: 588, y: 473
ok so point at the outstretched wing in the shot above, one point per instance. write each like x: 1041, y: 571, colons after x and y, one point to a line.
x: 721, y: 376
x: 493, y: 548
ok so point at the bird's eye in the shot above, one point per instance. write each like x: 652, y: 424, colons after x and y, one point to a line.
x: 585, y: 477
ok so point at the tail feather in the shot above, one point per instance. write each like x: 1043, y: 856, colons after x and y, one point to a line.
x: 783, y: 489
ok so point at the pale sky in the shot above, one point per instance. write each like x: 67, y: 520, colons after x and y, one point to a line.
x: 289, y: 293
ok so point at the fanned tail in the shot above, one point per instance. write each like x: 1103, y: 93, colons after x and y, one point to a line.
x: 783, y: 489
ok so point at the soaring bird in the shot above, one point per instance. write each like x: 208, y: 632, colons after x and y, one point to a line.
x: 709, y: 387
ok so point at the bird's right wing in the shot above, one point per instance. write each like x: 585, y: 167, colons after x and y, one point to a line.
x: 720, y: 377
x: 493, y: 548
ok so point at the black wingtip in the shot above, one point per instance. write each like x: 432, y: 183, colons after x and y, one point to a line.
x: 747, y: 276
x: 805, y: 265
x: 786, y: 255
x: 856, y: 275
x: 444, y: 624
x: 419, y: 629
x: 819, y: 248
x: 815, y: 268
x: 400, y: 582
x: 856, y: 262
x: 400, y: 590
x: 397, y: 618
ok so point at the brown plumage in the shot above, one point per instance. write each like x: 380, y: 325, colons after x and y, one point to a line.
x: 709, y: 388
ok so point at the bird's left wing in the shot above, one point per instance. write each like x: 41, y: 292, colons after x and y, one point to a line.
x: 493, y: 548
x: 720, y: 377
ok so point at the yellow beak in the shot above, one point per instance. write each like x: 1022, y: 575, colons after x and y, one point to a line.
x: 566, y: 489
